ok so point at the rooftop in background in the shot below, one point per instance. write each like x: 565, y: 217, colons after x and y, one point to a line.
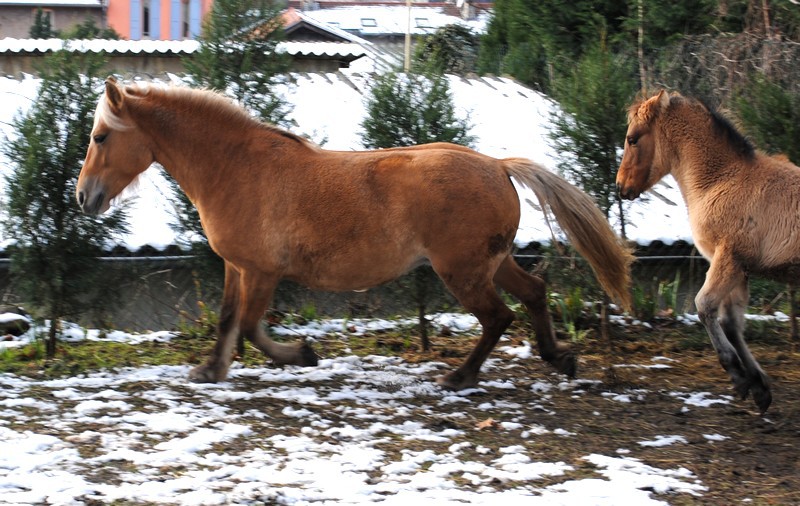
x: 390, y: 19
x: 18, y: 56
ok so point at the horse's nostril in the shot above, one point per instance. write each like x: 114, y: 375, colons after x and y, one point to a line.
x: 81, y: 198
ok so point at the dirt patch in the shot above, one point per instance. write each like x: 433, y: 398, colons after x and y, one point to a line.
x: 650, y: 389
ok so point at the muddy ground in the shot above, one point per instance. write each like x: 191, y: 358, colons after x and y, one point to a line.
x: 758, y: 463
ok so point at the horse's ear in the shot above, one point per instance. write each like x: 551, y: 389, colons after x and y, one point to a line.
x: 113, y: 95
x: 663, y: 99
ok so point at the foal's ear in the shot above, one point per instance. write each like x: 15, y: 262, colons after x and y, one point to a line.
x: 663, y: 99
x: 113, y: 95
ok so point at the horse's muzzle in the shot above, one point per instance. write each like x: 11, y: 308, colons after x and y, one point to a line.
x: 92, y: 198
x: 626, y: 193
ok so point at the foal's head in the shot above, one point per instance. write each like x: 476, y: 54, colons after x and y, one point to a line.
x: 118, y: 151
x: 640, y: 168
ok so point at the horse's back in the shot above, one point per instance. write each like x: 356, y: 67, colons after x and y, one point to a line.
x: 756, y: 215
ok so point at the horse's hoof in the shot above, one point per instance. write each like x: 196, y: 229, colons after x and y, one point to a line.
x: 762, y: 397
x: 455, y: 381
x: 203, y: 374
x: 308, y: 356
x: 563, y: 360
x: 566, y: 363
x: 762, y: 392
x: 303, y: 356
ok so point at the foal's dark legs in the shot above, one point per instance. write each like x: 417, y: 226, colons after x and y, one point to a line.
x: 732, y: 321
x: 725, y: 289
x: 532, y: 292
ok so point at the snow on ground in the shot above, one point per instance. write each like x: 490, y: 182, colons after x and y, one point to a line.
x: 155, y: 437
x: 353, y: 430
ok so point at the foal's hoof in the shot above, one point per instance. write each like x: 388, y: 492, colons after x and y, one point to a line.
x: 762, y: 397
x: 759, y: 386
x: 204, y: 374
x: 456, y: 381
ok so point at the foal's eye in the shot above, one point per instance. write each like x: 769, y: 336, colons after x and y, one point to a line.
x: 632, y: 140
x: 98, y: 139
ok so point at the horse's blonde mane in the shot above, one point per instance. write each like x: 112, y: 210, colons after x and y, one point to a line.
x: 212, y: 102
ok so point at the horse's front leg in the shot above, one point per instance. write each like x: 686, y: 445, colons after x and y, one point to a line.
x: 255, y: 296
x: 216, y: 367
x: 723, y: 279
x: 732, y: 321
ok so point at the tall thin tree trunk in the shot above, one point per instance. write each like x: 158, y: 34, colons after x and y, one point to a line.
x: 642, y: 69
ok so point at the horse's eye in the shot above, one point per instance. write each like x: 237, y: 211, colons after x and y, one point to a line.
x: 632, y: 140
x: 98, y: 139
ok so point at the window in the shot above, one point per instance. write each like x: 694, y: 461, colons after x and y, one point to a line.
x: 422, y: 23
x: 145, y: 18
x: 185, y: 19
x: 369, y: 22
x: 46, y: 24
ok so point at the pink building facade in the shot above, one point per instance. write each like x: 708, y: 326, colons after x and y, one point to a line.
x: 157, y: 19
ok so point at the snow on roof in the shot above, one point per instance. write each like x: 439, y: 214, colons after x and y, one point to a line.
x: 508, y: 120
x: 177, y: 47
x: 372, y: 20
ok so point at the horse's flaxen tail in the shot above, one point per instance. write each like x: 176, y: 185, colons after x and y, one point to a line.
x: 587, y: 229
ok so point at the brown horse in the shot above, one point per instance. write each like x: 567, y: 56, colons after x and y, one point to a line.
x: 275, y: 206
x: 743, y: 210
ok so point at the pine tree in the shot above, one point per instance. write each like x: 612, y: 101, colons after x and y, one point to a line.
x: 590, y: 125
x: 54, y: 257
x: 452, y: 49
x: 406, y: 110
x: 239, y: 55
x: 770, y: 112
x: 411, y: 109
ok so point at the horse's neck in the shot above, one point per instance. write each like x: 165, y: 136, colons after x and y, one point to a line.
x: 698, y: 168
x: 201, y: 155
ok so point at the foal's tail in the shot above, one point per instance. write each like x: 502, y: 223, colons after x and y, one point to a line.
x: 587, y: 229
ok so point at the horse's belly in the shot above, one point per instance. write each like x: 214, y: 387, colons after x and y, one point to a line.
x: 339, y: 273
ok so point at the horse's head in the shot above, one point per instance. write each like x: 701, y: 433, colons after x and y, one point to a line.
x: 118, y: 151
x: 641, y: 165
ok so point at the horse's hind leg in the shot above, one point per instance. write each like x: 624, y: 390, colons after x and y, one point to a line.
x: 725, y: 288
x: 478, y: 296
x: 531, y: 291
x: 732, y: 322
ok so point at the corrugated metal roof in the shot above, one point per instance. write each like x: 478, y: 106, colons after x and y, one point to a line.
x: 177, y: 47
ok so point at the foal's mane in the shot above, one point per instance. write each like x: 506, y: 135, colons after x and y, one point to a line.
x: 646, y: 109
x: 215, y: 105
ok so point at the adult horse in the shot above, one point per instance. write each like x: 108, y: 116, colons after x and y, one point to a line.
x: 275, y: 206
x: 743, y: 210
